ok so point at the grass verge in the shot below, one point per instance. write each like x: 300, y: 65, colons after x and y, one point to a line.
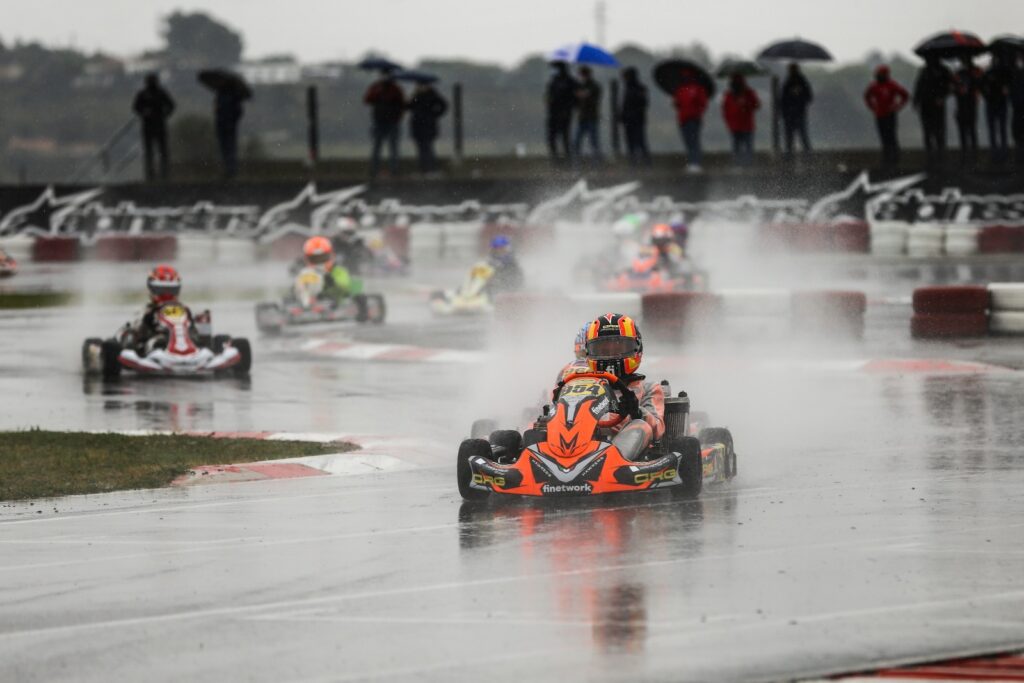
x: 41, y: 464
x: 19, y: 300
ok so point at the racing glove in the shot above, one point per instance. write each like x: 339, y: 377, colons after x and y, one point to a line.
x: 629, y: 405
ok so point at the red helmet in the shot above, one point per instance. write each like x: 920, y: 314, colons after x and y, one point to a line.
x: 163, y: 284
x: 614, y: 344
x: 662, y: 235
x: 318, y: 253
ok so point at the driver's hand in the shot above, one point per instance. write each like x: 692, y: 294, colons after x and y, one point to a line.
x: 629, y: 405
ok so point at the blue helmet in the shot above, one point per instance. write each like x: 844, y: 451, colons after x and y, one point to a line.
x: 500, y: 242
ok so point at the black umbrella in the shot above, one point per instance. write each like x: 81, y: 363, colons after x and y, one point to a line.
x: 739, y: 67
x: 796, y: 50
x: 951, y: 45
x: 1007, y: 44
x: 669, y: 75
x: 220, y: 80
x: 378, y: 64
x: 415, y: 77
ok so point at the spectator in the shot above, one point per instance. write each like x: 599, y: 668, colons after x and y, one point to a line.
x: 560, y: 98
x: 1017, y: 101
x: 153, y: 105
x: 227, y: 112
x: 885, y: 98
x: 967, y: 88
x: 588, y: 96
x: 387, y: 103
x: 425, y: 108
x: 691, y: 101
x: 633, y: 116
x: 934, y: 83
x: 995, y: 88
x: 795, y: 97
x: 738, y: 107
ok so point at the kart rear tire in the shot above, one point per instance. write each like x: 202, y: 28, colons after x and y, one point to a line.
x: 110, y: 359
x: 262, y: 309
x: 362, y: 308
x: 691, y: 467
x: 482, y: 428
x: 510, y: 441
x: 723, y: 436
x: 468, y: 449
x: 87, y: 345
x: 242, y: 367
x: 376, y: 309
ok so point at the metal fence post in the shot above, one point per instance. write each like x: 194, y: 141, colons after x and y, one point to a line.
x: 457, y: 131
x: 313, y: 125
x: 613, y: 101
x: 775, y: 115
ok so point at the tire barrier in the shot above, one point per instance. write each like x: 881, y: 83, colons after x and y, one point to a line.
x: 925, y: 240
x: 828, y: 313
x: 889, y: 238
x: 523, y: 237
x: 1006, y: 305
x: 135, y: 248
x: 948, y: 325
x: 287, y: 247
x: 396, y: 238
x: 56, y: 249
x: 1001, y: 239
x: 846, y: 236
x: 947, y: 312
x: 666, y: 315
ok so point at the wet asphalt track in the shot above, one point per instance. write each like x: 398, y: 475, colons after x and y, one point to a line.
x: 877, y: 518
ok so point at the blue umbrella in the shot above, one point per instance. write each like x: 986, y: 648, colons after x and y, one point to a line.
x: 378, y: 64
x: 415, y: 76
x: 583, y: 53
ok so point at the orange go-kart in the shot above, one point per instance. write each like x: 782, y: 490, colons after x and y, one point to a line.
x: 569, y: 450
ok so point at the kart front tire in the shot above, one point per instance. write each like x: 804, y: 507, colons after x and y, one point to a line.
x: 87, y: 353
x: 362, y: 308
x: 110, y: 359
x: 241, y: 369
x: 691, y: 467
x: 376, y: 309
x: 470, y: 448
x: 268, y: 318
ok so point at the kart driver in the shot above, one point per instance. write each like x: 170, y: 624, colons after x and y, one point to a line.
x: 668, y: 253
x: 508, y: 274
x: 164, y: 285
x: 614, y: 344
x: 318, y: 255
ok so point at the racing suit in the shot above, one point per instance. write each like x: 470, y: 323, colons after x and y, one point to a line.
x: 339, y: 285
x: 146, y: 330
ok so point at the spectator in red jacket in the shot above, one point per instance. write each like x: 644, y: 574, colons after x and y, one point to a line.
x: 885, y: 97
x: 738, y: 107
x: 387, y: 102
x: 691, y: 101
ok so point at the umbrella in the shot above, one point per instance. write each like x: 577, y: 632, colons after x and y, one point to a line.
x: 1006, y: 43
x: 415, y: 76
x: 742, y: 67
x: 220, y: 80
x: 583, y: 53
x: 796, y: 50
x: 378, y: 64
x: 669, y: 75
x: 951, y: 45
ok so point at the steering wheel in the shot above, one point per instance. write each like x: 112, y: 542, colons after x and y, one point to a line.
x: 623, y: 407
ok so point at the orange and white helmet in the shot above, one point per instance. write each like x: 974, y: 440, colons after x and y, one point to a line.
x: 662, y: 235
x: 614, y: 345
x: 318, y: 253
x: 163, y: 284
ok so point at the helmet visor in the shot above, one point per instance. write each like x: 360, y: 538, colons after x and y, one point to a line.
x: 162, y: 288
x: 319, y: 258
x: 612, y: 348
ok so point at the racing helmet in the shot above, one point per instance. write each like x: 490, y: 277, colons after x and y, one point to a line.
x: 501, y: 249
x: 164, y: 284
x: 614, y: 345
x: 318, y: 253
x: 662, y: 235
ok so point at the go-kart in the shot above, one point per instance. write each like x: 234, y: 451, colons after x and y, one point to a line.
x: 472, y: 298
x: 647, y: 276
x: 183, y: 346
x: 306, y: 305
x: 570, y: 450
x: 8, y: 266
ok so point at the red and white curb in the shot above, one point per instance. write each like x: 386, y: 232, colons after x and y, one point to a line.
x: 1002, y: 667
x: 388, y: 352
x: 376, y: 454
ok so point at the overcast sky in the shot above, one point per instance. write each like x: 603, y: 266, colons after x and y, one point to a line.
x: 506, y: 30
